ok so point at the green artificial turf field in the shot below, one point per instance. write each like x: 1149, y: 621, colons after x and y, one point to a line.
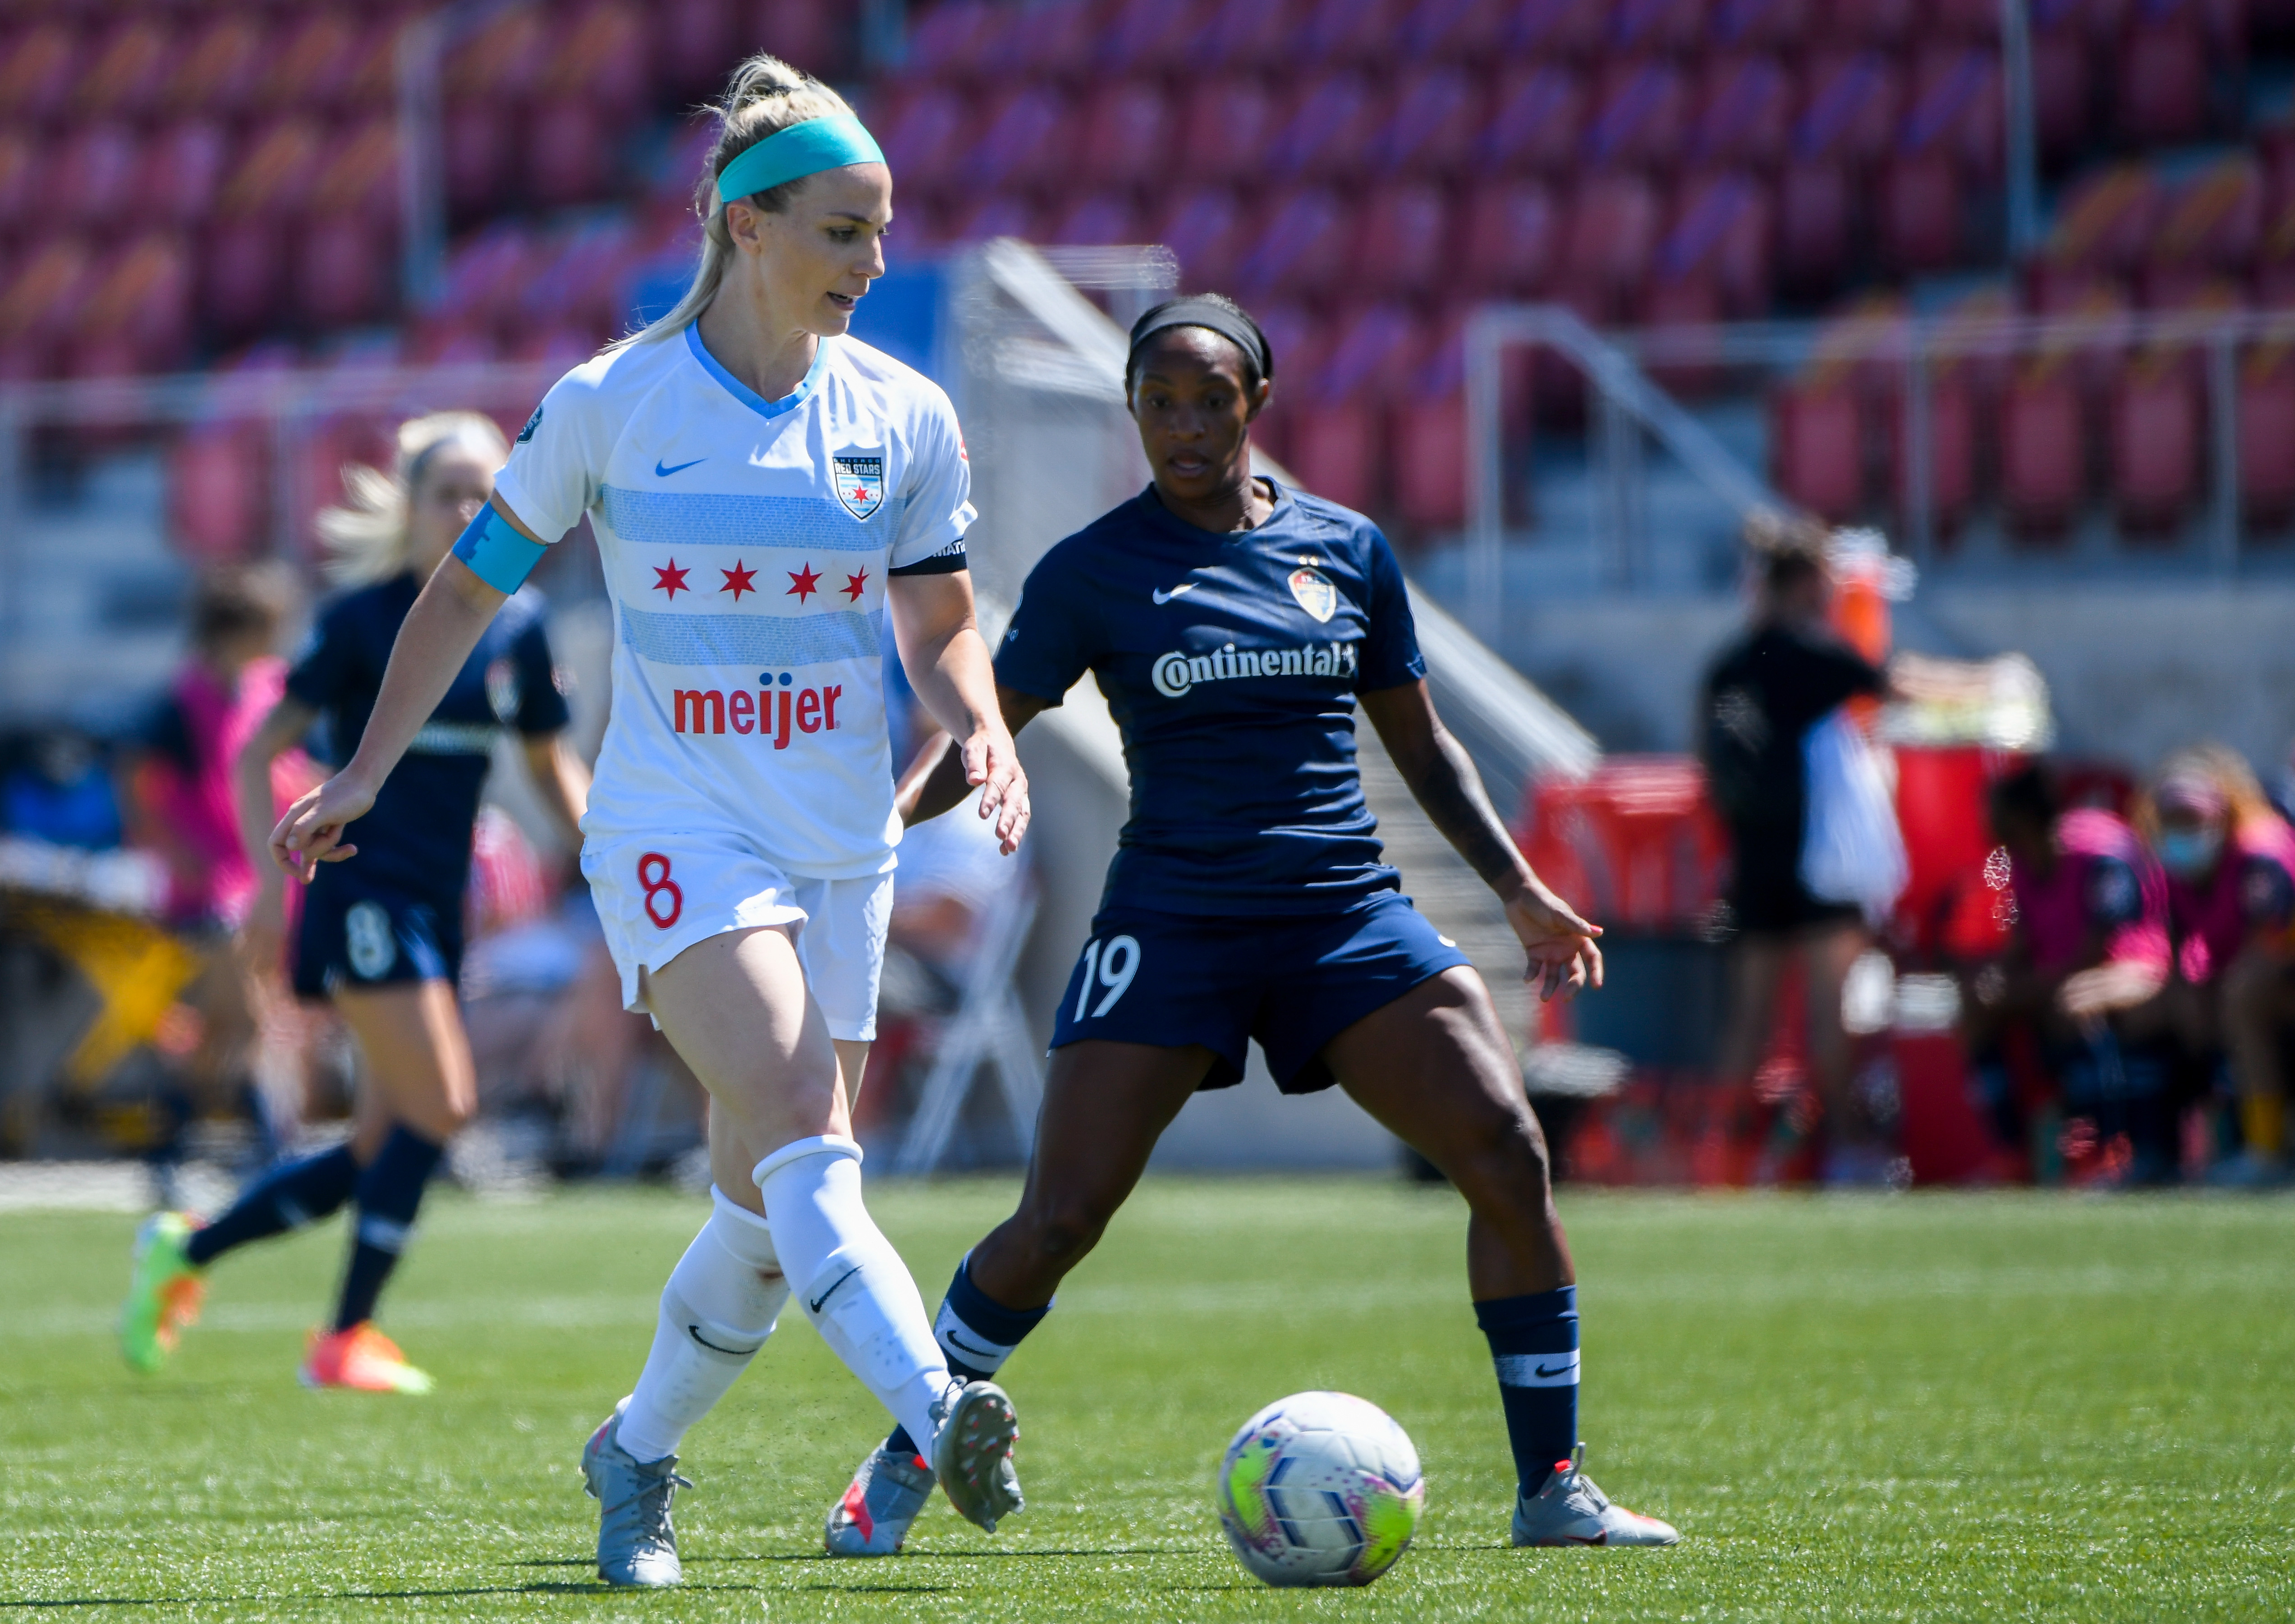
x: 1908, y: 1407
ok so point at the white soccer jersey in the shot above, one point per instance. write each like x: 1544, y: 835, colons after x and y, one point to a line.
x: 746, y: 544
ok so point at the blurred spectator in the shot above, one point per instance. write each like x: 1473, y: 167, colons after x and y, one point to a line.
x: 60, y: 790
x: 2230, y: 861
x: 2071, y: 1007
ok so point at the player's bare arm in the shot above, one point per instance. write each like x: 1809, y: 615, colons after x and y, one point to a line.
x: 1443, y: 780
x: 441, y: 628
x: 936, y: 780
x: 561, y: 780
x: 290, y: 720
x: 947, y: 663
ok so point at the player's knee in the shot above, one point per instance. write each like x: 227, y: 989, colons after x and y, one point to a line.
x: 1502, y: 1159
x: 1057, y: 1233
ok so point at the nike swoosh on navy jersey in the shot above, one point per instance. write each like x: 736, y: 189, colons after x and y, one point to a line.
x: 659, y: 472
x: 1161, y: 596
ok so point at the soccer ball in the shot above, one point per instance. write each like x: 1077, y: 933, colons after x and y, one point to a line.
x: 1321, y: 1488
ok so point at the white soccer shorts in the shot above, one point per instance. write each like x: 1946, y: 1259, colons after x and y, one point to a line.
x: 657, y: 897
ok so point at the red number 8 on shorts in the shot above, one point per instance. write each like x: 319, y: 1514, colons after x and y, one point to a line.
x: 653, y: 875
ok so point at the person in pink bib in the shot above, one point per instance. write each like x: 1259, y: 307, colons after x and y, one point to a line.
x: 2088, y: 959
x: 2230, y: 863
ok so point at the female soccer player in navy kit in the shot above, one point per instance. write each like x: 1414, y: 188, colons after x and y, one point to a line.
x: 1233, y: 626
x: 382, y: 938
x: 766, y: 491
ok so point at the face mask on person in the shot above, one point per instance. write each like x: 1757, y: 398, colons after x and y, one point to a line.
x: 2189, y: 852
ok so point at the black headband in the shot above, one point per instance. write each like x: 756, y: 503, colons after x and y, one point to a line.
x: 1230, y: 324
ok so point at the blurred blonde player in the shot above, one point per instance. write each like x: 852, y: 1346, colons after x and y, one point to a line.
x: 766, y: 491
x: 380, y: 938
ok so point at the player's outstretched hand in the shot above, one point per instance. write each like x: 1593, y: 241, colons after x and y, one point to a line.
x: 992, y: 766
x: 312, y: 831
x: 1563, y: 954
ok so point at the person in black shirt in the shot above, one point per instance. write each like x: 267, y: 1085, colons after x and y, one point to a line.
x: 1763, y: 695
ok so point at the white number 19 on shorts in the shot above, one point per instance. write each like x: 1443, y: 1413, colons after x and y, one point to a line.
x: 1111, y: 964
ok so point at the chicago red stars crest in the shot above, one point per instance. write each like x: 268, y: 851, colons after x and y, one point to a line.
x: 859, y: 483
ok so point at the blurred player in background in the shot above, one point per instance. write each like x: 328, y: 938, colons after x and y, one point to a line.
x: 764, y: 491
x: 381, y: 938
x: 2230, y: 860
x: 1234, y: 626
x: 2087, y: 957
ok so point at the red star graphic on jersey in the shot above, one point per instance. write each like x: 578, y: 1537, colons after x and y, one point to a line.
x: 855, y: 585
x: 803, y: 583
x: 738, y: 580
x: 671, y: 580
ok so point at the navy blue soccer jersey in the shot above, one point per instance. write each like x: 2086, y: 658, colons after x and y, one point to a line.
x: 417, y: 838
x: 1231, y: 664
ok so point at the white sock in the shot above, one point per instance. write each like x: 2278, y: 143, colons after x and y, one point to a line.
x: 719, y: 1307
x: 850, y: 1282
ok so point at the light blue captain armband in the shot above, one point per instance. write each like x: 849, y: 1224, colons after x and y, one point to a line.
x: 496, y: 553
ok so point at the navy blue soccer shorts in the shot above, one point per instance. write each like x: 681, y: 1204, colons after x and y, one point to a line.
x: 356, y: 936
x: 1294, y: 981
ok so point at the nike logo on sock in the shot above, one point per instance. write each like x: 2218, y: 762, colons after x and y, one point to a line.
x: 991, y: 1355
x: 1561, y: 1369
x: 695, y: 1333
x: 1161, y: 596
x: 815, y: 1303
x: 659, y: 472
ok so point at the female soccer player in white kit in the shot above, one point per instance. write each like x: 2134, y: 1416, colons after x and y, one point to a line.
x: 764, y: 489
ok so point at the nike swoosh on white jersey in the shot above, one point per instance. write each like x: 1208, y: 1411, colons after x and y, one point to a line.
x: 1161, y: 596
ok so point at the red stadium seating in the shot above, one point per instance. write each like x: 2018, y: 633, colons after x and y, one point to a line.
x: 1426, y: 437
x: 925, y: 142
x: 1225, y: 126
x: 20, y: 178
x: 1760, y: 24
x: 122, y: 76
x: 1557, y: 27
x: 182, y: 171
x: 955, y: 40
x: 1301, y: 246
x: 1816, y: 212
x: 1455, y: 30
x: 2213, y: 222
x: 1677, y: 27
x: 2043, y: 449
x: 41, y: 303
x: 1126, y: 133
x: 1099, y: 218
x: 1405, y: 245
x: 1056, y: 41
x: 2266, y: 429
x: 2107, y: 218
x: 1152, y: 36
x: 217, y: 66
x: 567, y: 156
x: 1535, y: 122
x: 38, y: 70
x: 1331, y: 133
x: 1513, y: 240
x: 1438, y: 111
x: 1871, y: 22
x: 1002, y: 214
x: 1355, y: 31
x: 1850, y: 107
x: 1640, y: 113
x: 478, y: 152
x: 2158, y: 444
x: 2059, y: 90
x: 1816, y: 447
x: 601, y: 55
x: 1335, y: 431
x: 1609, y: 244
x: 1204, y: 226
x: 92, y: 176
x: 1744, y: 111
x: 314, y: 62
x: 216, y: 485
x: 1026, y: 143
x: 1952, y: 447
x: 1957, y: 109
x: 1920, y: 212
x: 2163, y: 87
x: 275, y: 171
x: 694, y: 39
x: 1718, y: 240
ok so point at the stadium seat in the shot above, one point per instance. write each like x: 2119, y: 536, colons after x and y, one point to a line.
x: 926, y: 142
x: 1720, y: 237
x: 2060, y: 91
x: 1438, y: 112
x: 1058, y: 41
x: 1513, y: 238
x: 1744, y: 111
x: 1301, y: 247
x: 1298, y: 343
x: 122, y: 75
x: 217, y: 483
x: 182, y: 171
x: 953, y: 40
x: 567, y: 151
x: 1675, y: 27
x: 2213, y: 221
x: 1360, y: 32
x: 1920, y: 212
x: 1336, y: 432
x: 1641, y: 114
x: 38, y: 69
x: 1455, y: 30
x: 1126, y: 133
x: 1956, y: 109
x: 1226, y: 126
x: 1557, y: 27
x: 20, y: 178
x: 217, y: 66
x: 601, y: 55
x: 2162, y: 83
x: 344, y: 270
x: 1871, y: 22
x: 1427, y: 436
x: 1152, y: 36
x: 92, y: 175
x: 2266, y: 429
x: 999, y: 215
x: 1816, y: 212
x: 1534, y: 121
x: 476, y: 155
x: 1609, y: 244
x: 578, y: 274
x: 693, y: 41
x: 1849, y: 105
x: 2107, y: 219
x: 1953, y: 406
x: 442, y: 342
x: 2043, y: 449
x: 2158, y: 444
x: 40, y: 303
x: 312, y: 62
x: 486, y: 273
x: 242, y: 274
x: 1204, y: 226
x: 1330, y: 134
x: 1404, y: 245
x: 1739, y: 25
x: 1816, y: 447
x: 1098, y: 217
x: 1027, y: 142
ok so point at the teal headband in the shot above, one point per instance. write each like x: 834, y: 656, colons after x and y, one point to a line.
x: 793, y: 153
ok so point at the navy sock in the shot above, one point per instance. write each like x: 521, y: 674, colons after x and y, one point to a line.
x: 976, y: 1333
x: 1534, y: 1342
x: 287, y: 1197
x: 389, y: 1194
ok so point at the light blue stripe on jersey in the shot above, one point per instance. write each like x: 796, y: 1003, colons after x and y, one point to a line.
x: 679, y: 518
x: 750, y: 640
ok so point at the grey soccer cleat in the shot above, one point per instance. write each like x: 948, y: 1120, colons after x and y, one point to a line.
x: 892, y: 1487
x: 1570, y: 1509
x: 636, y: 1545
x: 972, y: 1453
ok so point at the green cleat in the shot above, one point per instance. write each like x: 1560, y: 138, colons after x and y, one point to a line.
x: 163, y: 1294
